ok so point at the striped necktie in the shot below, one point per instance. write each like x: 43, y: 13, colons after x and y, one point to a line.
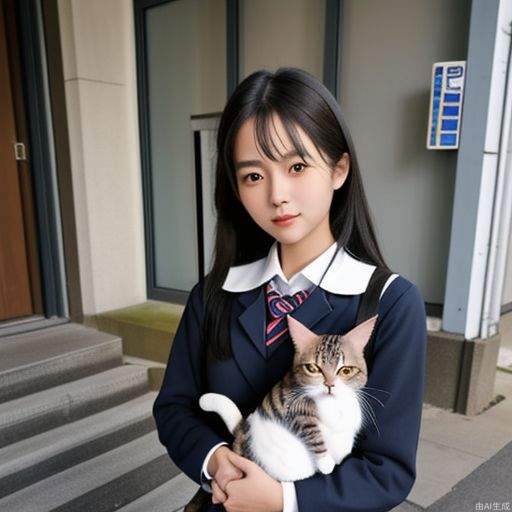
x: 277, y: 308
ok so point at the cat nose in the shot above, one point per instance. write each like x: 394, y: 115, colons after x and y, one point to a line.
x: 329, y: 386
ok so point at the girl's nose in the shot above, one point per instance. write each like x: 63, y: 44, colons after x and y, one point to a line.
x: 278, y: 191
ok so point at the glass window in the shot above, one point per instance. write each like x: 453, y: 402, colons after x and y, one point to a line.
x: 186, y: 75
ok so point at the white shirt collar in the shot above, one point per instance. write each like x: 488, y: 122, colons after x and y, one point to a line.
x: 346, y: 275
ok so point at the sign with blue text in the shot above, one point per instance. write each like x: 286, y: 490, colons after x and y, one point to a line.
x: 445, y: 112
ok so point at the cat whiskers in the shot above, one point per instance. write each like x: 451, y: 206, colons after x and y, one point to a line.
x: 376, y: 389
x: 371, y: 396
x: 368, y: 408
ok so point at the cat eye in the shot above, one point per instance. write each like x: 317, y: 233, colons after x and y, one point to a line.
x: 347, y: 370
x: 312, y: 368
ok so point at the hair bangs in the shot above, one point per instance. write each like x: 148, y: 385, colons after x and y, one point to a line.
x: 265, y: 133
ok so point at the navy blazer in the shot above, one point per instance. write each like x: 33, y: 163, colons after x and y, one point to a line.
x: 380, y: 471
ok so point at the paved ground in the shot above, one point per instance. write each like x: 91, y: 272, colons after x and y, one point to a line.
x: 489, y: 487
x: 465, y: 462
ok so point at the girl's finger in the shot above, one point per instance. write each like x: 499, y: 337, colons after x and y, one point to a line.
x: 238, y: 461
x: 219, y: 496
x: 237, y: 471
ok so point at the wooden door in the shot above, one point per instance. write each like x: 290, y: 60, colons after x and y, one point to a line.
x: 20, y: 292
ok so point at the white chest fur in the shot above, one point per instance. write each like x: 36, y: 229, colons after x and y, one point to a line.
x: 341, y: 418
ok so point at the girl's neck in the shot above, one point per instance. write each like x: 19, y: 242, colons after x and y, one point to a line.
x: 294, y: 257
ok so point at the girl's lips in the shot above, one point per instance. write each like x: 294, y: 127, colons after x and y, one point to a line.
x: 285, y: 222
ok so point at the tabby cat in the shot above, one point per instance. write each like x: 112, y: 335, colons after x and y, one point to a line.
x: 309, y: 420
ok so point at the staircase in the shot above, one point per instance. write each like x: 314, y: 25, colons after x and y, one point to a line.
x: 76, y: 427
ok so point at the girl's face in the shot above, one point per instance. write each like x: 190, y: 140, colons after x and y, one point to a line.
x: 291, y: 186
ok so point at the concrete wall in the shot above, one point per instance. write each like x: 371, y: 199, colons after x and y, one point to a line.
x: 100, y: 80
x: 388, y: 51
x: 282, y: 33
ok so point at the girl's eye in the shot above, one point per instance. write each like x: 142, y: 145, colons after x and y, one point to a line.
x: 255, y: 176
x: 300, y: 164
x: 246, y: 177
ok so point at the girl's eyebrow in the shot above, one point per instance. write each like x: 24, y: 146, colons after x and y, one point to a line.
x: 252, y: 163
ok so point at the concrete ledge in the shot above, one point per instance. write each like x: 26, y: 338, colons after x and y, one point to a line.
x: 479, y: 362
x: 146, y: 329
x: 460, y: 373
x: 444, y: 360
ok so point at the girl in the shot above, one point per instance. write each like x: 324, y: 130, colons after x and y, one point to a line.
x: 292, y: 220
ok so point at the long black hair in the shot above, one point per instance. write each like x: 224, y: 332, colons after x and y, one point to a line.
x: 297, y: 98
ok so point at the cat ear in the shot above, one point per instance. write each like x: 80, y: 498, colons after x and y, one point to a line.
x: 360, y: 334
x: 299, y: 333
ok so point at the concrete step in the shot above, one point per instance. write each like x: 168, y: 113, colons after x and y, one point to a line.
x: 42, y: 411
x: 38, y: 457
x: 106, y: 482
x: 40, y: 359
x: 171, y: 496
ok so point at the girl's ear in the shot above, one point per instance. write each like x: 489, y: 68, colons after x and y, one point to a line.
x: 340, y: 172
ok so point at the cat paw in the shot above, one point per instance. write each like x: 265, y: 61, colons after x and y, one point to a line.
x: 326, y: 464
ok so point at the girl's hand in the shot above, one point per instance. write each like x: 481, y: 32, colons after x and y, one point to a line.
x: 222, y: 471
x: 256, y: 492
x: 219, y: 496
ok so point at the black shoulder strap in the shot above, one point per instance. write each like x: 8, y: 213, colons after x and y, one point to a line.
x: 369, y: 305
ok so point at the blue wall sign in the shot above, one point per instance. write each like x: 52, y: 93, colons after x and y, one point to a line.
x: 445, y: 112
